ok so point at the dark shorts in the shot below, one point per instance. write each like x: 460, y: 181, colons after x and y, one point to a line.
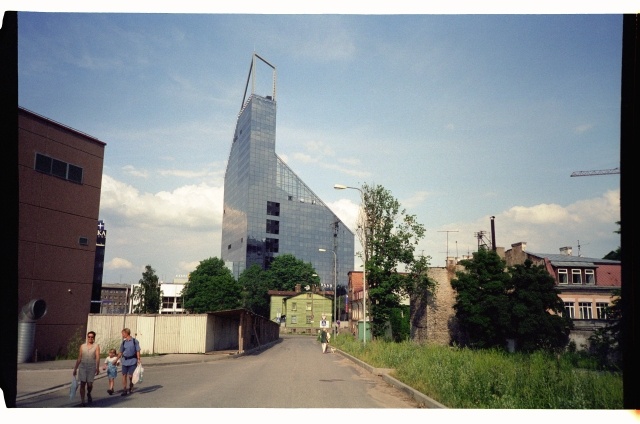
x: 128, y: 369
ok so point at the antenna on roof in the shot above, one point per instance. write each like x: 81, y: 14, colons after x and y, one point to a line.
x: 579, y: 255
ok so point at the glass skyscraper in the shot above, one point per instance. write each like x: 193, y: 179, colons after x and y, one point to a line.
x: 268, y: 209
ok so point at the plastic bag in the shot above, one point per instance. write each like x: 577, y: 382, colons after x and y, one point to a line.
x: 137, y: 374
x: 73, y: 388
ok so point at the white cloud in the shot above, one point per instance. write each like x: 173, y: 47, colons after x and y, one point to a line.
x: 131, y: 170
x: 189, y: 207
x: 118, y: 263
x: 583, y: 128
x: 416, y: 199
x: 539, y: 214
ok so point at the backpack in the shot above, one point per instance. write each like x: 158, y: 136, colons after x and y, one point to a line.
x: 136, y: 345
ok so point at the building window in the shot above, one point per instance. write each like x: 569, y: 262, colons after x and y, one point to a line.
x: 309, y: 319
x: 569, y: 309
x: 294, y: 319
x: 58, y: 168
x: 589, y: 276
x: 563, y: 276
x: 585, y: 310
x: 576, y: 276
x: 294, y: 306
x: 273, y: 226
x: 167, y: 303
x: 272, y: 245
x: 273, y: 208
x: 601, y: 310
x: 309, y: 306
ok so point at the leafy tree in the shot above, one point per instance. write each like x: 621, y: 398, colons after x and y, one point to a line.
x: 615, y: 255
x: 391, y: 237
x: 148, y: 296
x: 255, y: 290
x: 606, y: 343
x: 211, y: 287
x: 537, y: 321
x: 482, y: 301
x: 286, y: 271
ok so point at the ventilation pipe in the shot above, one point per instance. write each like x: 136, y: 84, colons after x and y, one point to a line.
x: 493, y: 234
x: 30, y: 313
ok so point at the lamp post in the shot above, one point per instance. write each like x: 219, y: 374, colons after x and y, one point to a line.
x: 364, y: 267
x: 335, y: 271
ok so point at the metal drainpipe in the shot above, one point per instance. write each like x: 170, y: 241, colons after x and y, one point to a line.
x: 30, y: 313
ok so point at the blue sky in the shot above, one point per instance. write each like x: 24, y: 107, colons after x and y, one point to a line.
x: 460, y: 116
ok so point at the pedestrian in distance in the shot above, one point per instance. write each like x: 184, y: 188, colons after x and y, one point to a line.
x: 111, y: 365
x: 87, y: 366
x: 129, y: 357
x: 324, y: 339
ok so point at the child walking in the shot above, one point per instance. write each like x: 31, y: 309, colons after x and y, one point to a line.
x: 111, y: 365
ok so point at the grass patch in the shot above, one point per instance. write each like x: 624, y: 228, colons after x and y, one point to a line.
x: 491, y: 379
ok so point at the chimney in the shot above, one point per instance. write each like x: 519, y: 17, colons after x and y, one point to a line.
x: 298, y: 288
x: 566, y: 250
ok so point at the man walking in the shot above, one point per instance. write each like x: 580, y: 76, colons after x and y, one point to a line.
x: 129, y: 358
x: 323, y: 339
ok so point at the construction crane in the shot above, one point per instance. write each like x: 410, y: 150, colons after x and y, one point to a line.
x: 596, y: 172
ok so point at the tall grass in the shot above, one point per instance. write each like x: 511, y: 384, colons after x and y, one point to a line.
x: 492, y: 379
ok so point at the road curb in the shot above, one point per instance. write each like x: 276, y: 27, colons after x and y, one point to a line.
x: 422, y: 399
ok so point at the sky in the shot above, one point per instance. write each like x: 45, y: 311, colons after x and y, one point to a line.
x: 461, y: 116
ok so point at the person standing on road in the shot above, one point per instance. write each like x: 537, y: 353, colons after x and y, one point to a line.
x: 323, y: 339
x: 111, y: 365
x: 129, y: 357
x: 87, y: 365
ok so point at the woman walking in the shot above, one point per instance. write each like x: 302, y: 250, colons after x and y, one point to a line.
x: 87, y: 366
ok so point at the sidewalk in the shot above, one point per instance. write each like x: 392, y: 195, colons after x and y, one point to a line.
x: 38, y: 378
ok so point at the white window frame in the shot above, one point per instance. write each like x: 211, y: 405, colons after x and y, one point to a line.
x: 576, y: 273
x: 601, y: 310
x: 294, y: 319
x: 563, y: 276
x: 589, y: 276
x: 586, y: 311
x: 570, y: 309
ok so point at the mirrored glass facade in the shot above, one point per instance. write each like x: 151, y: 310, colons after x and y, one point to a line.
x: 269, y: 211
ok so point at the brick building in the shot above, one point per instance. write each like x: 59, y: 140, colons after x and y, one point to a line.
x: 59, y: 179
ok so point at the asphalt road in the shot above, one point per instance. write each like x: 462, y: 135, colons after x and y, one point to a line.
x: 291, y: 374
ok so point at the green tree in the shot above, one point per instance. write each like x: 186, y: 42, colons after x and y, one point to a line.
x: 391, y: 238
x: 537, y: 322
x: 606, y: 343
x: 615, y: 255
x: 286, y: 271
x: 147, y: 296
x: 255, y: 290
x: 211, y: 287
x: 482, y: 301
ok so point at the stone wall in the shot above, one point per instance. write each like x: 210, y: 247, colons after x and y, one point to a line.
x: 433, y: 317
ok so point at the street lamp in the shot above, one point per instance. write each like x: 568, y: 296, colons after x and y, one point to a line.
x: 335, y: 271
x: 364, y: 268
